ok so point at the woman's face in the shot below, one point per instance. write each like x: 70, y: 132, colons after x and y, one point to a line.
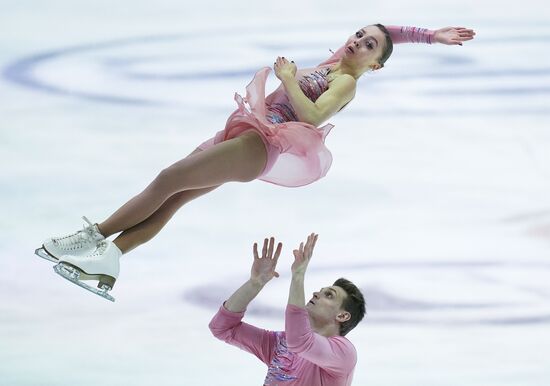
x: 365, y: 46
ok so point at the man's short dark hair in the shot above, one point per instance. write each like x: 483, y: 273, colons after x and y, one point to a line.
x: 354, y: 303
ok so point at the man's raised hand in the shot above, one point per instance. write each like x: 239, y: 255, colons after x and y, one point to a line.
x: 263, y: 268
x: 303, y: 254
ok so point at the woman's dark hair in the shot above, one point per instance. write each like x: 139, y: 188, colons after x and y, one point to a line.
x: 389, y: 45
x: 354, y: 303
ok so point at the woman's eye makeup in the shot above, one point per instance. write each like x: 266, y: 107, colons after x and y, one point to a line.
x: 369, y: 43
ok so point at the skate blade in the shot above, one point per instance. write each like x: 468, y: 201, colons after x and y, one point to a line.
x: 41, y: 252
x: 74, y: 275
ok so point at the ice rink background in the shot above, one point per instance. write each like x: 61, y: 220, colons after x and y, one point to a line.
x: 437, y: 204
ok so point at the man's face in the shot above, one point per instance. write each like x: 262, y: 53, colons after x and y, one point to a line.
x: 325, y: 305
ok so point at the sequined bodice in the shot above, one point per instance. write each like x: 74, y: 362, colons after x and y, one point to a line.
x: 312, y: 85
x: 282, y: 364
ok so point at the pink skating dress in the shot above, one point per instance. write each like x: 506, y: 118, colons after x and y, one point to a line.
x: 296, y: 151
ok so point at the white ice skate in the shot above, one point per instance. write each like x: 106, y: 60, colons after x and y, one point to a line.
x: 76, y: 244
x: 102, y: 265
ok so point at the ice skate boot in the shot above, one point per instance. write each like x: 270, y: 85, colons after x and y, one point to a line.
x: 102, y: 265
x: 76, y: 244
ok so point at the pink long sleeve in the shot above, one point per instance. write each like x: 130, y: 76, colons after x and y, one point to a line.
x: 227, y: 326
x: 335, y: 355
x: 410, y: 34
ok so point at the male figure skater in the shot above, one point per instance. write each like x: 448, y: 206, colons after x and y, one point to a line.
x: 313, y: 350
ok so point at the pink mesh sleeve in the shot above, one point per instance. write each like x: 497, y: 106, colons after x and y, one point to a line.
x: 410, y: 34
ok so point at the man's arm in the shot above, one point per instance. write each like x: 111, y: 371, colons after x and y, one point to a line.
x: 243, y: 296
x: 262, y: 271
x: 335, y: 354
x: 227, y: 324
x: 302, y: 256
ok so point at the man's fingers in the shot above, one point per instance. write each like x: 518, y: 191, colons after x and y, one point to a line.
x: 311, y: 239
x: 278, y: 251
x: 310, y: 244
x: 314, y: 241
x: 255, y: 251
x: 264, y: 249
x: 270, y: 248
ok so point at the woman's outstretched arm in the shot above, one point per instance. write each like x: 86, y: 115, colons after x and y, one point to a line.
x: 447, y: 35
x: 399, y: 34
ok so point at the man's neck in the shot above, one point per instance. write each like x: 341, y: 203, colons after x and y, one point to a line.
x: 324, y: 329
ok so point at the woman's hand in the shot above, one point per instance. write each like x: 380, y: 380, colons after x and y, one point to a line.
x: 284, y: 69
x: 453, y: 35
x: 263, y: 268
x: 303, y: 254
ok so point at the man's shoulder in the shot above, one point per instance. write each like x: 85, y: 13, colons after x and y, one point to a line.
x: 344, y: 343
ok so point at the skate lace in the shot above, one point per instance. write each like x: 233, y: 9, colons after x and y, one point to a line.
x: 78, y: 239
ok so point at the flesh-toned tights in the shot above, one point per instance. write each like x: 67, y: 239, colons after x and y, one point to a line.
x: 239, y: 159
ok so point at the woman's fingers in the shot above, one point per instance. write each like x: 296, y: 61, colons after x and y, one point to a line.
x: 463, y: 32
x: 280, y: 60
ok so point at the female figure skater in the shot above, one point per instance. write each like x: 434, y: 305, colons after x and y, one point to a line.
x: 275, y: 138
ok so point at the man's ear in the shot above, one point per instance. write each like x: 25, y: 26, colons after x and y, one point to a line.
x: 343, y: 316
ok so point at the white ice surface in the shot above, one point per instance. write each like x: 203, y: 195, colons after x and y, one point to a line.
x: 437, y: 204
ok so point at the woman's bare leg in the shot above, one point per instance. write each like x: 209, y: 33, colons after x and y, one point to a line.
x: 238, y: 159
x: 146, y: 230
x: 149, y: 228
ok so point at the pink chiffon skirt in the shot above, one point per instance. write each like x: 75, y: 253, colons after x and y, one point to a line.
x: 296, y: 151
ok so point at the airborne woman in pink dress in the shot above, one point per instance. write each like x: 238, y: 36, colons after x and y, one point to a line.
x: 277, y: 139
